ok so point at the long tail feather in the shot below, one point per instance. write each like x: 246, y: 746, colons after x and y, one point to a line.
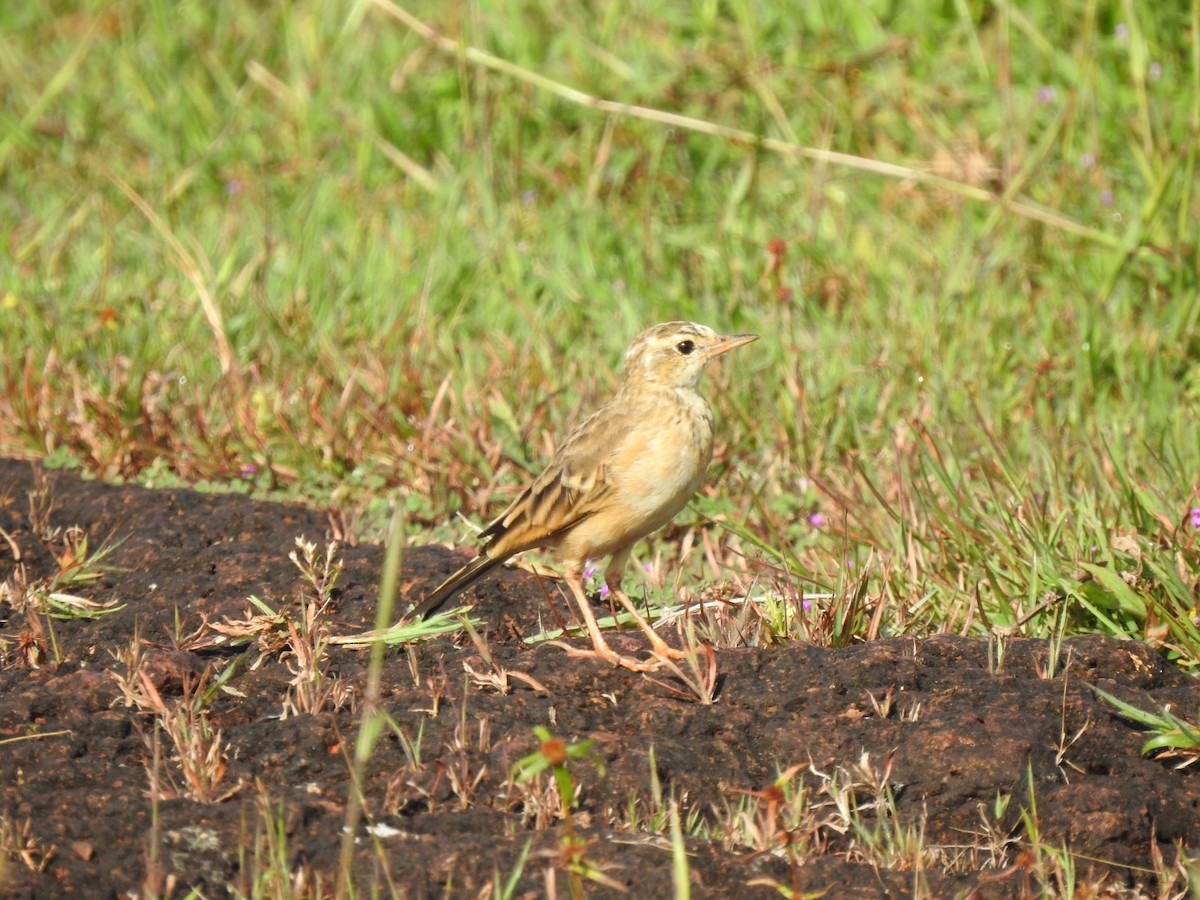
x: 472, y: 571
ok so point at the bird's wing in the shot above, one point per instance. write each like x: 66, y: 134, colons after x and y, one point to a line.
x: 572, y: 487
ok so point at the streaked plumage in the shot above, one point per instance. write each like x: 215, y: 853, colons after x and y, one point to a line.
x: 621, y: 474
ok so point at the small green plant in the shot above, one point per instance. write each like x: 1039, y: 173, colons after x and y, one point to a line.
x: 508, y: 890
x: 1039, y: 862
x: 77, y: 566
x: 554, y: 754
x: 652, y: 814
x: 681, y: 874
x: 404, y: 633
x: 771, y: 821
x: 267, y: 870
x: 200, y: 754
x: 1173, y: 737
x: 312, y: 689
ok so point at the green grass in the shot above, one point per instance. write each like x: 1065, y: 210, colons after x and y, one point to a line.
x: 299, y: 249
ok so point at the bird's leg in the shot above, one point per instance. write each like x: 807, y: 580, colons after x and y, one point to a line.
x: 612, y: 578
x: 574, y: 579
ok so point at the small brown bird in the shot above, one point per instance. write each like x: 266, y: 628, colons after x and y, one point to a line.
x: 623, y: 473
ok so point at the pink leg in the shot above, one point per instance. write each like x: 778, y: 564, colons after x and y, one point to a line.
x: 600, y: 648
x: 612, y: 578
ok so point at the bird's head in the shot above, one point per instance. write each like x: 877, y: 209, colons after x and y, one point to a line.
x: 674, y: 354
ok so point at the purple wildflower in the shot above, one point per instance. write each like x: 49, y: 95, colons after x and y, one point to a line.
x: 249, y: 470
x: 590, y: 572
x: 1194, y: 517
x: 1106, y: 197
x: 604, y: 592
x: 817, y: 520
x: 1047, y: 94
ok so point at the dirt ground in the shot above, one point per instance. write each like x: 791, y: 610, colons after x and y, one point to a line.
x: 941, y: 725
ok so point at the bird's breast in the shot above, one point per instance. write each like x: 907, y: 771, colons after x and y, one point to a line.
x: 662, y: 461
x: 651, y: 471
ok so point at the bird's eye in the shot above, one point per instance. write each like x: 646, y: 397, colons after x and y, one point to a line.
x: 687, y: 348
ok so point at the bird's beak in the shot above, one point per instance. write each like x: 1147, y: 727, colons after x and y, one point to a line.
x: 725, y: 344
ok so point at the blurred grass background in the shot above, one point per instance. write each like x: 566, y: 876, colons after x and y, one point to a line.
x: 301, y: 249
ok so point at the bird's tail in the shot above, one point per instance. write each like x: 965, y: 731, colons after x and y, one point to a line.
x: 476, y: 568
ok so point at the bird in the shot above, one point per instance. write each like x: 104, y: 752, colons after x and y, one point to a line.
x: 621, y: 474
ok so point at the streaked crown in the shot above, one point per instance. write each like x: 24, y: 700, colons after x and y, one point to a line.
x: 676, y: 353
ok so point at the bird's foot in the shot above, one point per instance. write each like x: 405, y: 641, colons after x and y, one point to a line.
x: 659, y: 647
x: 662, y: 648
x: 612, y: 657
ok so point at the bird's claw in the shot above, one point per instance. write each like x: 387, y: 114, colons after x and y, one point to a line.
x: 613, y: 658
